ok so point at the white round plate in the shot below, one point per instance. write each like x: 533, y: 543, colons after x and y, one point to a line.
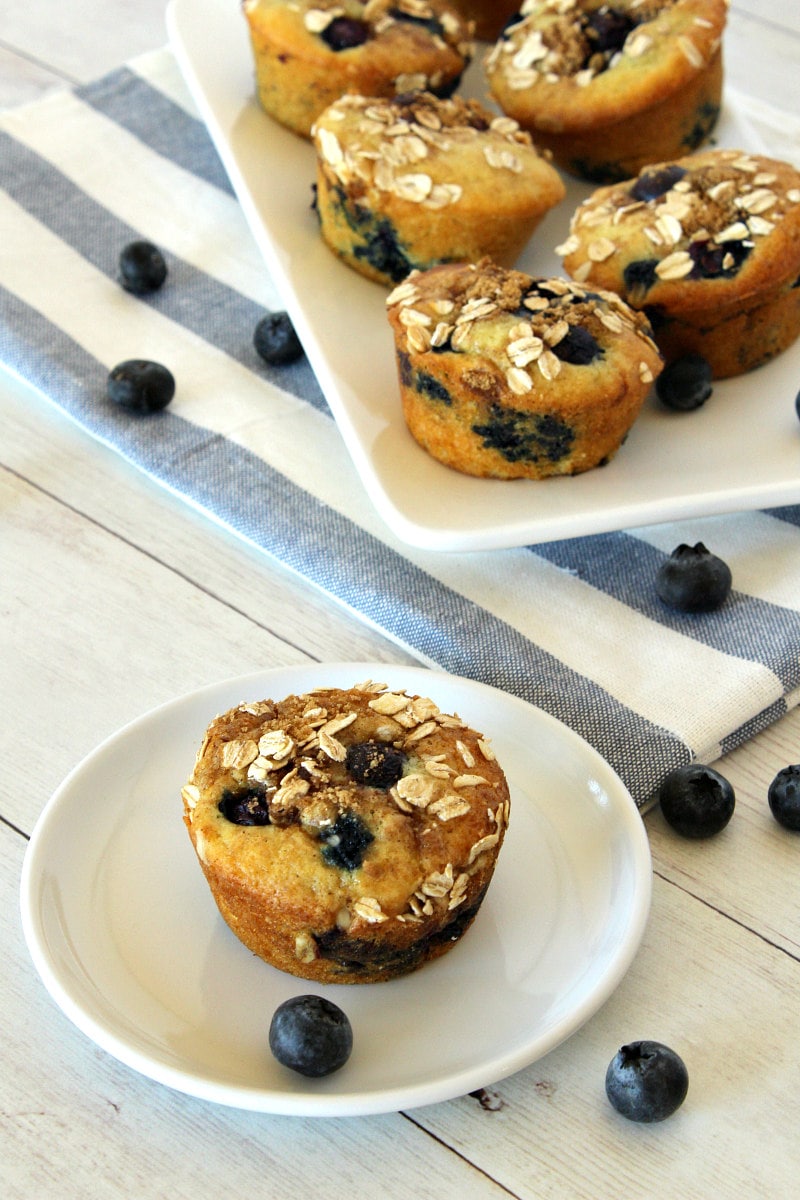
x: 126, y: 936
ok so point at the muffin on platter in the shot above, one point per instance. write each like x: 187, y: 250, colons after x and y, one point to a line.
x: 347, y: 835
x: 414, y: 181
x: 609, y: 88
x: 307, y: 53
x: 507, y: 376
x: 708, y: 246
x: 488, y: 16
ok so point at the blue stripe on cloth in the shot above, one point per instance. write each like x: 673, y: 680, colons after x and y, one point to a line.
x: 329, y: 550
x: 755, y: 725
x: 790, y: 514
x: 745, y: 627
x: 166, y: 128
x: 215, y: 312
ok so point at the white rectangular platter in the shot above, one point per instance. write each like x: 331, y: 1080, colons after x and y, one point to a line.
x: 740, y: 451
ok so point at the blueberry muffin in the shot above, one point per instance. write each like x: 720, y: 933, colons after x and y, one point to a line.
x: 609, y: 88
x: 708, y: 246
x: 488, y: 16
x: 506, y: 376
x: 347, y: 835
x: 307, y: 53
x: 415, y: 181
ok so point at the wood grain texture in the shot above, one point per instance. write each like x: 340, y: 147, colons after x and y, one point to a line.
x: 114, y: 597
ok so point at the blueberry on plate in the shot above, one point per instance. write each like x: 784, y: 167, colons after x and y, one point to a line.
x: 140, y: 386
x: 797, y: 405
x: 784, y: 797
x: 646, y: 1081
x: 142, y: 268
x: 275, y: 339
x: 697, y: 802
x: 693, y: 579
x: 685, y: 383
x: 310, y: 1035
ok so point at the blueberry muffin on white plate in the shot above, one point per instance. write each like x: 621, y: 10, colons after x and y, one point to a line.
x: 347, y: 835
x: 414, y: 181
x: 610, y: 87
x: 507, y: 376
x: 708, y: 246
x: 307, y: 53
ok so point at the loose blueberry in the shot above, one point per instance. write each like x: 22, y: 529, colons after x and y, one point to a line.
x: 345, y: 842
x: 343, y: 33
x: 685, y: 383
x: 656, y: 182
x: 142, y: 268
x: 245, y: 808
x: 697, y: 802
x: 646, y: 1081
x: 784, y: 797
x: 693, y: 579
x: 276, y: 341
x: 310, y: 1035
x: 376, y: 764
x: 140, y: 386
x: 797, y: 405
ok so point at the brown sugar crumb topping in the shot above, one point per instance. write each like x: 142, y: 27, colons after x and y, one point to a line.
x: 531, y: 318
x: 381, y: 15
x: 733, y: 200
x: 581, y: 39
x: 390, y: 144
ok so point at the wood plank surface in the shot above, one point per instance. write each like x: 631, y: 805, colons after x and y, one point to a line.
x: 115, y: 596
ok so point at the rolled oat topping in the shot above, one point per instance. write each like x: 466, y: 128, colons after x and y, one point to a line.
x: 581, y: 39
x: 444, y: 28
x: 535, y: 320
x: 706, y: 222
x: 390, y: 145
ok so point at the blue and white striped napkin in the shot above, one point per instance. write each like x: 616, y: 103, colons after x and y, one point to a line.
x: 571, y: 626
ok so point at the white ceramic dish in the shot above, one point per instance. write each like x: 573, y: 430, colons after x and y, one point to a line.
x: 128, y: 941
x: 739, y: 452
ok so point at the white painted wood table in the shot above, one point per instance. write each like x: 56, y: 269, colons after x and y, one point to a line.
x: 93, y: 556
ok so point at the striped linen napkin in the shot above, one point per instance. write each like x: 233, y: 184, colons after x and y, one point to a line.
x: 571, y: 626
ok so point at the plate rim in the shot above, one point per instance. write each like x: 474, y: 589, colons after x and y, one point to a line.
x: 309, y: 1103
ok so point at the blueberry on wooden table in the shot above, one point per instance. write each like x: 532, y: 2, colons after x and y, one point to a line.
x: 140, y: 386
x: 275, y: 339
x: 697, y: 802
x: 311, y: 1035
x: 685, y: 383
x: 142, y: 268
x: 646, y: 1081
x: 784, y: 797
x: 693, y: 579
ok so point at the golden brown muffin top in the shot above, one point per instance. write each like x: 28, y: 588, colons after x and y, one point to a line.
x: 532, y: 329
x: 696, y: 220
x: 429, y: 151
x: 346, y: 25
x: 584, y: 53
